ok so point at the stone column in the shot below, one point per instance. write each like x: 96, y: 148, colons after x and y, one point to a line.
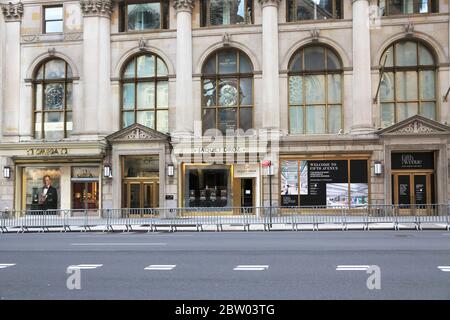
x: 362, y: 93
x: 184, y: 108
x: 270, y: 64
x: 96, y: 77
x: 10, y: 47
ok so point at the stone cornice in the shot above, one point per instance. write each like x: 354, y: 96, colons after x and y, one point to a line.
x: 12, y: 12
x: 184, y: 5
x: 269, y: 3
x: 97, y: 8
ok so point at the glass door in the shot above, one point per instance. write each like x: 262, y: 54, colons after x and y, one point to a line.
x: 139, y: 195
x: 413, y: 192
x: 85, y: 195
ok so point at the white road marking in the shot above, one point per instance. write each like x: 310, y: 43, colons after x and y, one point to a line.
x: 85, y: 266
x: 119, y: 244
x: 161, y: 267
x: 352, y: 268
x: 6, y: 265
x: 444, y: 268
x: 251, y: 268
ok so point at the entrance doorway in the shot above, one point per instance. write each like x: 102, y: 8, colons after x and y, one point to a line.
x: 413, y: 192
x: 85, y: 195
x: 142, y: 194
x: 247, y: 190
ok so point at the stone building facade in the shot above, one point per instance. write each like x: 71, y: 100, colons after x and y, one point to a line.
x: 113, y: 100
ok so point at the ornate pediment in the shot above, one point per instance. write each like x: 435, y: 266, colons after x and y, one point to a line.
x: 137, y: 133
x: 415, y: 125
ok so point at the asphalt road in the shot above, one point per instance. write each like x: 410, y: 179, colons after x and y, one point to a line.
x: 226, y: 265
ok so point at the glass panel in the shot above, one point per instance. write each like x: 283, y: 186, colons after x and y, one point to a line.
x: 246, y: 92
x: 228, y: 92
x: 334, y: 119
x: 142, y: 166
x: 127, y: 119
x: 406, y: 53
x: 69, y: 97
x: 387, y: 87
x: 144, y: 16
x: 389, y: 59
x: 296, y: 120
x: 406, y: 85
x: 317, y: 9
x: 314, y: 58
x: 245, y: 120
x: 425, y: 56
x: 227, y: 62
x: 210, y: 66
x: 162, y: 95
x: 128, y: 96
x: 55, y: 69
x: 428, y: 110
x: 54, y: 96
x: 289, y: 183
x: 53, y: 13
x: 54, y: 125
x: 387, y: 114
x: 38, y: 97
x: 161, y: 68
x: 69, y: 123
x: 40, y: 73
x: 34, y: 188
x: 129, y: 71
x: 227, y: 120
x: 333, y: 62
x: 409, y: 7
x: 334, y: 88
x: 53, y: 26
x: 162, y: 121
x: 146, y: 118
x: 315, y: 89
x: 146, y: 95
x: 38, y: 125
x: 296, y: 63
x: 145, y: 66
x: 209, y: 119
x: 427, y: 85
x: 135, y: 195
x: 406, y: 110
x: 315, y: 119
x: 245, y: 66
x: 295, y: 90
x: 209, y: 92
x: 224, y: 12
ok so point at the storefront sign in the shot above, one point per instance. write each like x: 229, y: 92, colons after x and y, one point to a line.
x: 245, y: 171
x: 413, y: 160
x: 85, y: 172
x: 46, y: 151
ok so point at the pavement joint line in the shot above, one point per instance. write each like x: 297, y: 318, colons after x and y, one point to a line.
x: 119, y: 244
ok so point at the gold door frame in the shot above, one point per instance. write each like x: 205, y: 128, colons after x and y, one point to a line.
x: 152, y: 182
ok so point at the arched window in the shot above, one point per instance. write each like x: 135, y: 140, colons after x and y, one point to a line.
x: 408, y: 84
x: 315, y: 91
x: 227, y: 82
x: 53, y: 88
x: 145, y: 93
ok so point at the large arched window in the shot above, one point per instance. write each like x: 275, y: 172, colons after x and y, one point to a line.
x: 145, y: 93
x: 227, y: 82
x: 408, y: 84
x: 315, y: 91
x: 53, y: 87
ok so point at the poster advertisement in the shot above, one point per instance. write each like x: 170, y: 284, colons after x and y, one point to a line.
x: 324, y: 183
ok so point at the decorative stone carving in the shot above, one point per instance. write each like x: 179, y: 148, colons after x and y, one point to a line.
x: 73, y: 36
x: 51, y: 52
x: 226, y: 38
x: 415, y: 127
x: 102, y: 8
x: 315, y: 33
x: 138, y: 134
x: 30, y: 38
x: 12, y: 12
x: 142, y: 44
x: 409, y: 29
x: 269, y: 2
x: 184, y: 5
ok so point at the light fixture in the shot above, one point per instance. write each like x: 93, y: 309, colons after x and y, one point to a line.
x: 107, y: 172
x: 7, y: 172
x: 170, y: 170
x: 378, y: 168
